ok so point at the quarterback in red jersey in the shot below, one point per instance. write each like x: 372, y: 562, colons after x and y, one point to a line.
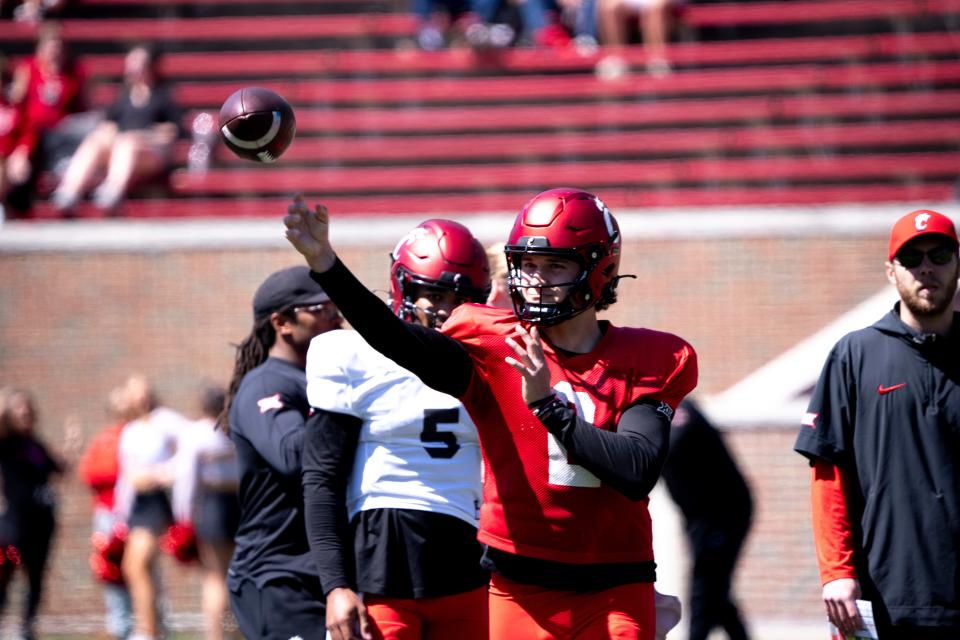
x: 574, y: 426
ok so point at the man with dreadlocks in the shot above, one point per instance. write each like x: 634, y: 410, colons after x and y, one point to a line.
x: 274, y: 589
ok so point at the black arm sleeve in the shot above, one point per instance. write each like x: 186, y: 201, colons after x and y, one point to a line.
x: 439, y: 361
x: 328, y: 449
x: 630, y: 459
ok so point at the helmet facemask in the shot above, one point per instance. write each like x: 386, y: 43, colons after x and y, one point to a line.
x: 579, y: 296
x: 574, y: 225
x: 409, y: 283
x: 441, y: 255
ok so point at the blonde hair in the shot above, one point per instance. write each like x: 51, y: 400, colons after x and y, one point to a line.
x: 499, y: 272
x: 498, y: 261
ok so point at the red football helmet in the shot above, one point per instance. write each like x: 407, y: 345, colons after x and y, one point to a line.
x: 571, y: 224
x: 437, y: 253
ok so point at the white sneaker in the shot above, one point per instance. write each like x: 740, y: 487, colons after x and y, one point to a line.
x: 659, y: 67
x: 612, y: 67
x: 105, y: 197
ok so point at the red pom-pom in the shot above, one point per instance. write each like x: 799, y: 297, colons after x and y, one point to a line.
x: 180, y: 541
x: 107, y: 554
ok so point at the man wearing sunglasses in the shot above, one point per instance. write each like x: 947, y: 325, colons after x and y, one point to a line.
x: 275, y: 593
x: 883, y: 437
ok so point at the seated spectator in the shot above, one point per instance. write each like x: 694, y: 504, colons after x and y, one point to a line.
x: 580, y: 17
x: 31, y: 10
x: 437, y: 17
x: 47, y: 87
x: 538, y: 23
x: 134, y: 142
x: 613, y: 18
x: 9, y: 125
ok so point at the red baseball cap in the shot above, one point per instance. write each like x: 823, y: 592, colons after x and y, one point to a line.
x: 918, y: 223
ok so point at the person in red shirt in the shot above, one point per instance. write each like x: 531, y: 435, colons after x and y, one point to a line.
x: 9, y: 127
x: 99, y: 468
x: 573, y: 415
x: 47, y: 87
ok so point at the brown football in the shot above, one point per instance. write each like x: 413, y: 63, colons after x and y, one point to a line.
x: 257, y: 124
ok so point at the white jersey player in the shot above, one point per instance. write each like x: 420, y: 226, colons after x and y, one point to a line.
x: 392, y: 468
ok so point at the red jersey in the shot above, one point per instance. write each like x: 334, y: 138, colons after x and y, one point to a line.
x: 9, y: 127
x: 49, y: 97
x: 100, y: 464
x: 537, y: 502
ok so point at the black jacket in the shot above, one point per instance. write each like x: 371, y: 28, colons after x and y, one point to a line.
x: 886, y: 411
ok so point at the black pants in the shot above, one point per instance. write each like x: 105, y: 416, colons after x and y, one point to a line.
x: 281, y: 610
x: 715, y: 554
x: 29, y: 551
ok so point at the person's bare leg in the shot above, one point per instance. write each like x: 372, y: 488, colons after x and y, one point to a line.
x: 139, y: 558
x: 215, y: 559
x: 88, y: 160
x: 653, y: 25
x: 3, y: 180
x: 132, y: 158
x: 611, y: 19
x: 613, y: 30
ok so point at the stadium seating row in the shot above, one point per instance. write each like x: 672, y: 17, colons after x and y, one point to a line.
x: 855, y: 116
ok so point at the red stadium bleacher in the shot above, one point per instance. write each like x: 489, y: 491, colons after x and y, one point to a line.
x: 383, y: 63
x: 518, y: 146
x: 221, y: 29
x: 852, y: 114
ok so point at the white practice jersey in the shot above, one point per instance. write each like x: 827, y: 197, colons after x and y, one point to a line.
x: 148, y: 445
x: 418, y: 448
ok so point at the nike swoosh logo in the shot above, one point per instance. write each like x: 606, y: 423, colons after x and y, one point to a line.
x: 884, y: 390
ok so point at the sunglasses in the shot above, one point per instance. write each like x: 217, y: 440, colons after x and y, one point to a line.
x: 911, y: 258
x: 323, y: 307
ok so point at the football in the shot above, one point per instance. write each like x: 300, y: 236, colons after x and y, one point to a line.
x: 257, y: 124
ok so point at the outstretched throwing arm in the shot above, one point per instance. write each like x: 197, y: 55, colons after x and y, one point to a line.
x: 309, y: 233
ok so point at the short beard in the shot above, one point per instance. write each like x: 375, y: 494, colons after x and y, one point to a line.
x: 925, y: 308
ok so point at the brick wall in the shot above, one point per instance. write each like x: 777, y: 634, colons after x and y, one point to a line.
x: 74, y: 324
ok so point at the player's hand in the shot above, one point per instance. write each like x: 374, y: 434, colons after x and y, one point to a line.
x: 309, y: 233
x: 531, y: 363
x: 346, y: 616
x: 840, y: 597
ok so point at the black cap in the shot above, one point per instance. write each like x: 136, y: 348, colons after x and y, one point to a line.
x: 288, y: 287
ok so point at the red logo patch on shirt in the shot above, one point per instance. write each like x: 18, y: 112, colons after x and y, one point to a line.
x: 810, y: 420
x: 882, y: 390
x: 270, y: 402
